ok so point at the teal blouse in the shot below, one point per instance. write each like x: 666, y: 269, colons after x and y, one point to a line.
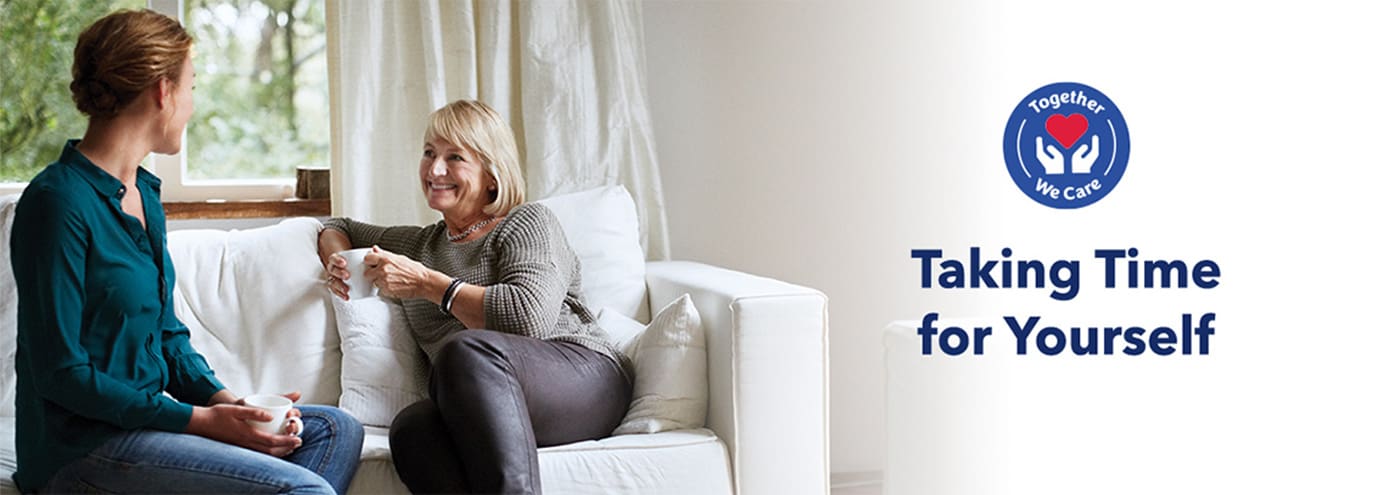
x: 98, y: 342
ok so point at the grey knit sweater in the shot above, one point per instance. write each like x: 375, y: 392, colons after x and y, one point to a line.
x: 530, y: 273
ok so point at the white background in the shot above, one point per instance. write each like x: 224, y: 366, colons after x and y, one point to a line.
x: 819, y: 142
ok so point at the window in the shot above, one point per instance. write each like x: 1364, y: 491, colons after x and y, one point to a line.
x: 36, y: 110
x: 261, y: 98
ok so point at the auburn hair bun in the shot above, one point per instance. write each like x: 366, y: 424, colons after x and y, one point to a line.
x: 95, y: 98
x: 123, y: 54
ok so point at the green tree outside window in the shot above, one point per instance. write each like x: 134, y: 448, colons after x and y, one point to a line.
x: 261, y: 94
x: 36, y: 109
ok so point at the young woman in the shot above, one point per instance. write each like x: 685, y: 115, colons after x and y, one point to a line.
x: 99, y: 343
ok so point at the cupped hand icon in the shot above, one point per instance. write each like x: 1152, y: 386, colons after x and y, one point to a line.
x: 1051, y: 158
x: 1083, y: 158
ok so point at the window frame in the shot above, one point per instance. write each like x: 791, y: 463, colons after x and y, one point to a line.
x: 175, y: 187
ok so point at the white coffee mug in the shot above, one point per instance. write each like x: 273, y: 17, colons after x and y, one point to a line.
x: 360, y: 287
x: 278, y: 406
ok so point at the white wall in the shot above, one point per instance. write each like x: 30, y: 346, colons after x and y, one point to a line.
x: 780, y: 127
x: 819, y: 142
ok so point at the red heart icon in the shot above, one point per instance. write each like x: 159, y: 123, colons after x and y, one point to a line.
x: 1067, y: 130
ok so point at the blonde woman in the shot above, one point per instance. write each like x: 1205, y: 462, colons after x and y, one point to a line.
x: 99, y: 343
x: 492, y: 297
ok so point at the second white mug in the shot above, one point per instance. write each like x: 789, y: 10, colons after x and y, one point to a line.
x: 278, y: 406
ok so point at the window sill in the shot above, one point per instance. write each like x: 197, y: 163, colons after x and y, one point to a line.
x: 194, y: 210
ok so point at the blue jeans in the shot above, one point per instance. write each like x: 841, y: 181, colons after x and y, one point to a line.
x: 147, y: 461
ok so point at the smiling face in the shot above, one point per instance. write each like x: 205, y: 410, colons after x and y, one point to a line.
x: 454, y: 180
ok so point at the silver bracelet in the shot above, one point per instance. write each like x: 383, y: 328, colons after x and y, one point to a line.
x: 450, y: 295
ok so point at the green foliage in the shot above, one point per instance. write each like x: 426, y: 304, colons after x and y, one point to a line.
x: 261, y: 98
x: 260, y: 91
x: 36, y: 109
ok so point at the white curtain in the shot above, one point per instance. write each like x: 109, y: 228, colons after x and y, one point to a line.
x: 569, y: 76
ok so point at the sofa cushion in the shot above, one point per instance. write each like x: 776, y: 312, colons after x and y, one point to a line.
x: 622, y: 331
x: 601, y: 226
x: 9, y: 308
x: 675, y: 462
x: 671, y: 387
x: 382, y: 370
x: 256, y: 306
x: 376, y: 473
x: 8, y: 458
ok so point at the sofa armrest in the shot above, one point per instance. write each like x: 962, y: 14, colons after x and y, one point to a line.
x: 766, y: 343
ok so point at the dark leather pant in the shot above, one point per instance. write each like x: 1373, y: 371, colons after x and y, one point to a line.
x: 496, y: 397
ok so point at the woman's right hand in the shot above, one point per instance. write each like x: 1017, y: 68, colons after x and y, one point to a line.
x: 337, y: 273
x: 228, y: 423
x: 328, y: 243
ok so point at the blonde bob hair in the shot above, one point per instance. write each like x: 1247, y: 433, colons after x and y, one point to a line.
x: 474, y: 126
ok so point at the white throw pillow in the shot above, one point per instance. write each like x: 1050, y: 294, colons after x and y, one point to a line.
x: 383, y: 370
x: 622, y: 331
x: 671, y: 387
x: 601, y: 226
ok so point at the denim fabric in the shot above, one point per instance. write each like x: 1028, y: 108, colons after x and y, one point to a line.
x: 151, y: 461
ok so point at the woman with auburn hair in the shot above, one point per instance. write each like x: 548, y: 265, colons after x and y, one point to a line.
x: 99, y: 343
x: 491, y: 293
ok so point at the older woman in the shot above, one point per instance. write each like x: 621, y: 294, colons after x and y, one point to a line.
x: 99, y: 343
x: 492, y: 297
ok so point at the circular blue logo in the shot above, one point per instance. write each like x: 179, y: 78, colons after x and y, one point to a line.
x: 1066, y: 145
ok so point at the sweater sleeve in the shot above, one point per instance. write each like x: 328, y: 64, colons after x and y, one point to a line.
x: 532, y: 282
x: 50, y: 286
x: 399, y: 239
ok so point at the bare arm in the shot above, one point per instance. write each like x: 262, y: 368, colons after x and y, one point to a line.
x: 329, y: 242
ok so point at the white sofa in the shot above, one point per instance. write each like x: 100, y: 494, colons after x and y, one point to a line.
x: 256, y: 308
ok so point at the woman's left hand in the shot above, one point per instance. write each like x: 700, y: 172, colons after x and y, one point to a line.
x: 396, y: 275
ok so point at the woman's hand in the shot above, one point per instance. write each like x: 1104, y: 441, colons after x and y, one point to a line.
x: 337, y: 273
x: 294, y: 412
x: 401, y: 277
x: 328, y: 243
x: 228, y: 423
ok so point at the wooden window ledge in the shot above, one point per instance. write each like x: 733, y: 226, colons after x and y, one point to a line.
x: 271, y: 208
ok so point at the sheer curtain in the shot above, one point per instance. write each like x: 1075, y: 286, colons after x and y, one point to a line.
x: 569, y: 76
